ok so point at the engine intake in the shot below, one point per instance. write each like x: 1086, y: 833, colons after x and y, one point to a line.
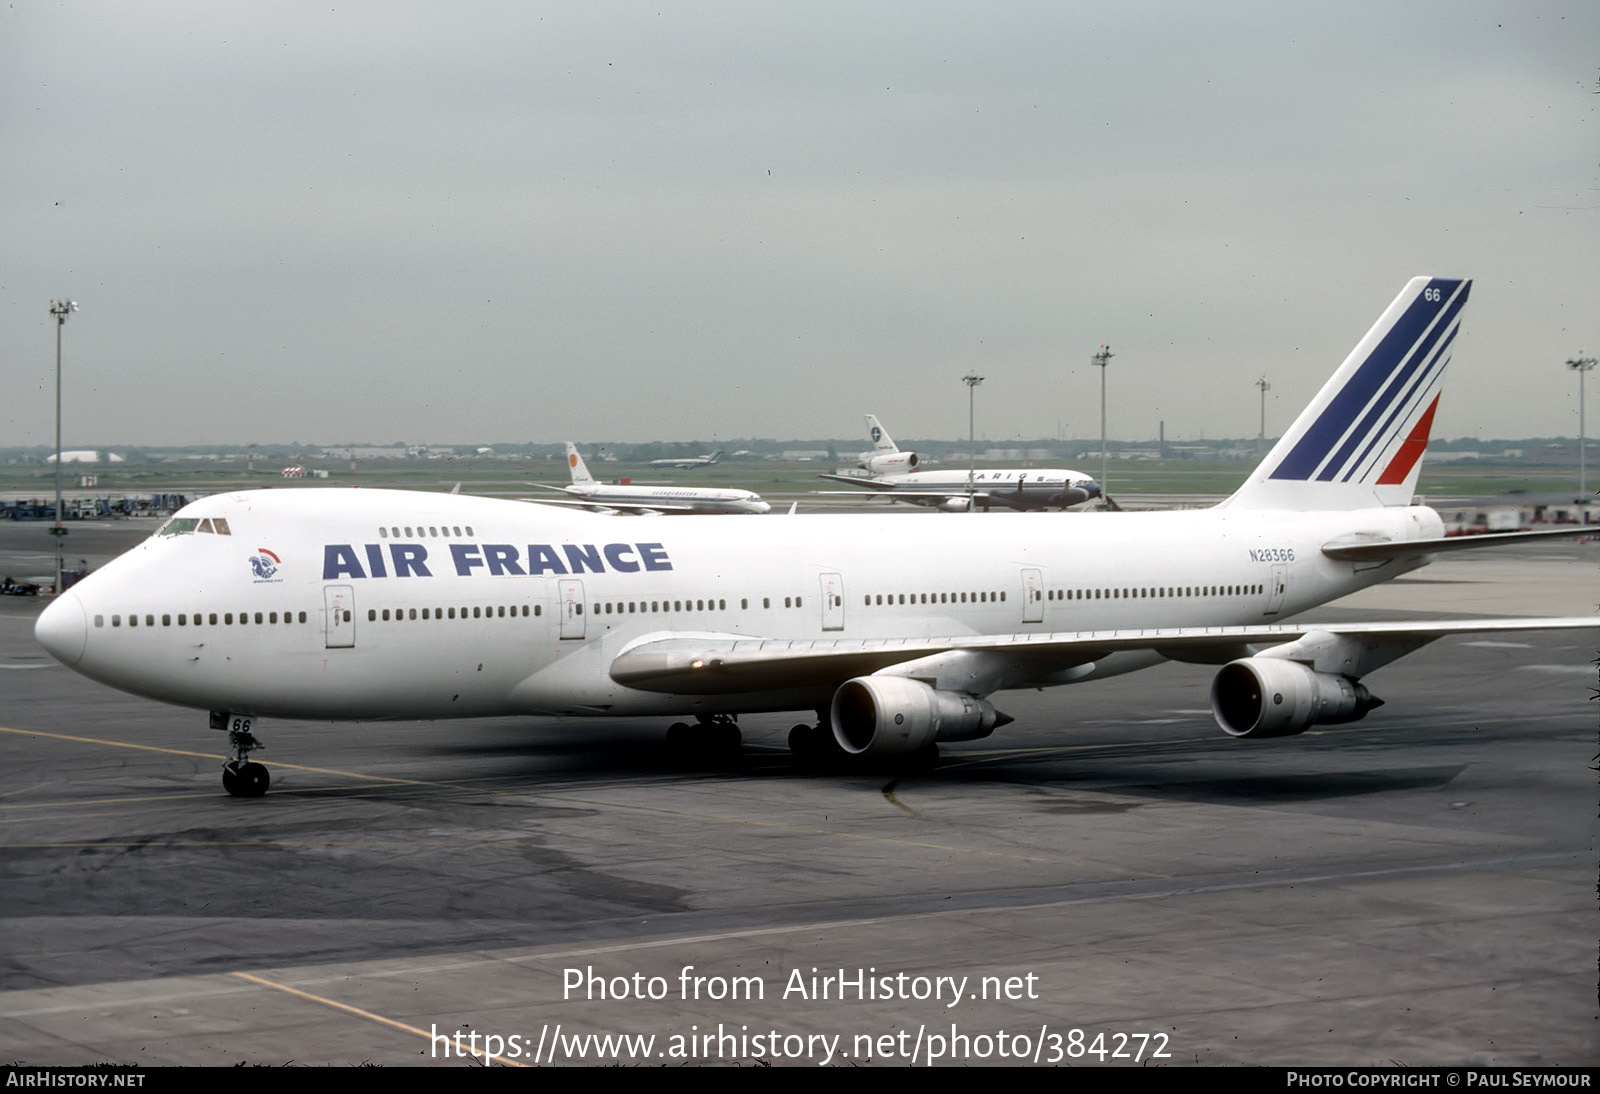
x: 1271, y: 697
x: 893, y: 715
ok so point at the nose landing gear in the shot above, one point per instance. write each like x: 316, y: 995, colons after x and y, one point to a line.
x: 241, y: 776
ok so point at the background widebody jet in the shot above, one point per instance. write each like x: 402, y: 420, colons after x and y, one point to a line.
x: 372, y: 604
x: 638, y: 498
x: 893, y: 474
x: 689, y: 463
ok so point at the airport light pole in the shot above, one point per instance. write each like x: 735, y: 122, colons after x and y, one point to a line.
x: 972, y: 380
x: 1261, y: 439
x: 1101, y: 360
x: 1581, y: 365
x: 60, y: 309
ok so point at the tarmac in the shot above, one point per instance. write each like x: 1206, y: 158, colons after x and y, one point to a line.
x: 1108, y: 880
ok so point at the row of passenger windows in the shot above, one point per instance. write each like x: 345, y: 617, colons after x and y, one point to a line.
x: 1160, y: 592
x: 418, y: 531
x: 647, y: 607
x: 872, y: 599
x: 634, y: 607
x: 212, y: 619
x: 493, y: 611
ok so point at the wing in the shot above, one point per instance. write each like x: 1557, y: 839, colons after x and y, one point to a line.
x: 710, y: 665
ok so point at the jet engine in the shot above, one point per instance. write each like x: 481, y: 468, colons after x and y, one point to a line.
x: 955, y: 505
x: 889, y: 463
x: 1274, y: 697
x: 893, y: 715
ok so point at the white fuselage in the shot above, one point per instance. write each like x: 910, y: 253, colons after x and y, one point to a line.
x: 1018, y: 488
x: 381, y: 604
x: 669, y: 498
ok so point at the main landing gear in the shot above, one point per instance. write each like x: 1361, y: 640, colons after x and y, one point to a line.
x: 241, y: 776
x: 814, y: 745
x: 712, y: 736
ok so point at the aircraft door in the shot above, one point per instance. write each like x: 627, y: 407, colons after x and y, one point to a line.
x: 832, y: 602
x: 1280, y: 586
x: 571, y: 608
x: 339, y: 610
x: 1032, y: 596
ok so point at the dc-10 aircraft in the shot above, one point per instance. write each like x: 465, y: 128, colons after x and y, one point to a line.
x: 369, y: 604
x: 894, y: 475
x: 631, y: 497
x: 689, y: 463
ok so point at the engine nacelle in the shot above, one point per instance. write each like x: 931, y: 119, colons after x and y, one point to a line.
x: 955, y: 505
x: 889, y: 463
x: 893, y: 715
x: 1272, y: 697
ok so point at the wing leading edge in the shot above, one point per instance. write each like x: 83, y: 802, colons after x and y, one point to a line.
x: 704, y: 665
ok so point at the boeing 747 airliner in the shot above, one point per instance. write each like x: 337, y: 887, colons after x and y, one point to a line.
x: 371, y: 604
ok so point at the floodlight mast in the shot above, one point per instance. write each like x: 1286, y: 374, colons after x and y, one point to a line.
x: 1101, y: 360
x: 972, y: 380
x: 1261, y: 438
x: 1581, y: 365
x: 60, y: 309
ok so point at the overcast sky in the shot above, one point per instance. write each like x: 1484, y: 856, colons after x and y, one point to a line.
x: 539, y: 221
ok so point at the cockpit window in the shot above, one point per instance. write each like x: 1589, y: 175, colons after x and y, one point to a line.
x: 183, y: 526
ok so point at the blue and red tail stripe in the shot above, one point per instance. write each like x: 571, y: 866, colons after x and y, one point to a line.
x: 1360, y: 423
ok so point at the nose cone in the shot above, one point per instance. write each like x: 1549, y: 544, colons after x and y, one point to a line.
x: 1090, y: 488
x: 63, y: 629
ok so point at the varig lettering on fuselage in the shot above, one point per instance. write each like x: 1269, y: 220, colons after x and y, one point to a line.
x: 346, y: 560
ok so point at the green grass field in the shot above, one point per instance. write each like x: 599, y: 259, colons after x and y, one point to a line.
x: 501, y: 477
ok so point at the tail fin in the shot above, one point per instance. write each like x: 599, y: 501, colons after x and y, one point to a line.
x: 881, y: 441
x: 580, y: 473
x: 1360, y: 442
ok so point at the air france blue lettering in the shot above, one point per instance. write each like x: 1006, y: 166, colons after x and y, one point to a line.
x: 614, y: 553
x: 339, y: 560
x: 542, y: 559
x: 502, y: 559
x: 409, y: 559
x: 655, y: 556
x: 583, y: 554
x: 342, y: 561
x: 466, y: 558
